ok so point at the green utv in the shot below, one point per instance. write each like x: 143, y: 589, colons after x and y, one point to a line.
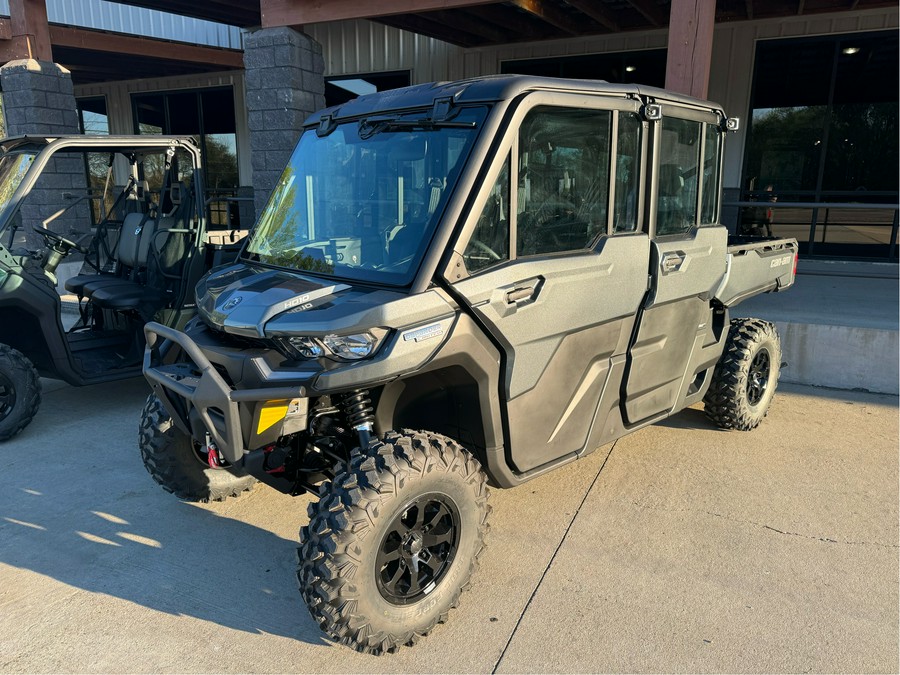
x: 141, y: 259
x: 453, y: 285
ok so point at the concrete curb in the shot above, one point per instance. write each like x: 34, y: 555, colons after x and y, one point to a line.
x: 841, y: 357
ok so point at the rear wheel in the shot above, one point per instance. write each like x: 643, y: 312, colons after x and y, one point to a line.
x: 20, y: 392
x: 178, y: 463
x: 746, y: 376
x: 393, y: 541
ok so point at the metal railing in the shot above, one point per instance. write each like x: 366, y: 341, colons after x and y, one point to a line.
x: 820, y: 229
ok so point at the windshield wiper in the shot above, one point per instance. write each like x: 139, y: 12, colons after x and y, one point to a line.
x: 370, y: 127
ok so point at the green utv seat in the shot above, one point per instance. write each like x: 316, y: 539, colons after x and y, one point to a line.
x: 131, y: 253
x: 164, y: 255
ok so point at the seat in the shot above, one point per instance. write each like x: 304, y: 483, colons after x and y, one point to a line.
x: 129, y: 252
x: 163, y: 252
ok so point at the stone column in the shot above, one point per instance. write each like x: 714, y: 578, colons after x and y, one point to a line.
x: 38, y: 100
x: 284, y: 84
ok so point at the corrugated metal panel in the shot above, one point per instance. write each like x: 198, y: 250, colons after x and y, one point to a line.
x: 112, y: 16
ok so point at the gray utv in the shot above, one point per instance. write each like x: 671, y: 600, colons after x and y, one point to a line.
x: 453, y: 285
x: 142, y: 253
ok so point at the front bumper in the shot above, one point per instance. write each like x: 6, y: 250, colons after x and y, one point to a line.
x: 201, y: 401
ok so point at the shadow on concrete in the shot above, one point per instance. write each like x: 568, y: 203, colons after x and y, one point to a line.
x: 689, y: 418
x: 76, y: 506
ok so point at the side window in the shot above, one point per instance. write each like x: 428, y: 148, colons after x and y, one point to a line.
x: 563, y: 180
x: 679, y: 164
x: 628, y: 173
x: 711, y: 162
x: 490, y: 240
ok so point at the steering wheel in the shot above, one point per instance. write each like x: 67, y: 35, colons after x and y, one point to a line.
x: 55, y: 240
x: 484, y: 248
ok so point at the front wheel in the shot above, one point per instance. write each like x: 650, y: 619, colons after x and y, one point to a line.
x: 178, y: 464
x: 20, y: 392
x: 393, y: 541
x: 746, y: 376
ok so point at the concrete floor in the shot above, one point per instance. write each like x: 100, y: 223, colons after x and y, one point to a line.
x: 681, y: 548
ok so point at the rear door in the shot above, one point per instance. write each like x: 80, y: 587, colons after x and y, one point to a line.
x: 687, y: 262
x: 556, y: 268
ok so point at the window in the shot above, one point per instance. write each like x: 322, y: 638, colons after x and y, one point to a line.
x: 563, y: 180
x: 363, y: 201
x: 711, y: 160
x: 821, y: 111
x: 490, y: 240
x: 676, y: 195
x: 94, y: 120
x: 207, y: 114
x: 641, y: 67
x: 628, y: 172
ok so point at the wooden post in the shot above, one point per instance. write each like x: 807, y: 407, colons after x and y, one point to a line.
x: 30, y: 30
x: 690, y: 46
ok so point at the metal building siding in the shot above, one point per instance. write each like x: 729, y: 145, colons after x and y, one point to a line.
x: 118, y: 18
x: 356, y: 47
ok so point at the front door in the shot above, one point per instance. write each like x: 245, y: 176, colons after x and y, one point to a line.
x: 554, y: 276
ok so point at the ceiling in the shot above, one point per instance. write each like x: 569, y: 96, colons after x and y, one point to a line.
x: 464, y: 23
x: 501, y: 22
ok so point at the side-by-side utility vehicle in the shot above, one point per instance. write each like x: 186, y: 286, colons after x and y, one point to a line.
x: 141, y: 260
x: 453, y: 285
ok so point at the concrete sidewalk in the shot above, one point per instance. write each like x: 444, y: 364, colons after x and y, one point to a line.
x: 682, y: 548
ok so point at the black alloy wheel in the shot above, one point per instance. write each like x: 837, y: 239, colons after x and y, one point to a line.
x: 758, y: 377
x: 7, y: 396
x: 417, y: 549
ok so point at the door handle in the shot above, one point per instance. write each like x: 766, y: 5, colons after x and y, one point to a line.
x: 519, y: 294
x: 672, y: 262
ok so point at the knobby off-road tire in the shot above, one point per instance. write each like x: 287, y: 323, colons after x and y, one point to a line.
x: 414, y: 503
x: 746, y: 376
x: 20, y: 392
x: 172, y: 460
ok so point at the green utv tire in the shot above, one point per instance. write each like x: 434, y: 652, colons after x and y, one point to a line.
x: 20, y: 392
x: 746, y: 376
x: 175, y: 462
x: 393, y: 541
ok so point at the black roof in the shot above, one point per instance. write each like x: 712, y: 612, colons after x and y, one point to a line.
x: 493, y: 88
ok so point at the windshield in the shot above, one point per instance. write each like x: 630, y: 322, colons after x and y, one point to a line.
x: 13, y: 168
x: 363, y: 201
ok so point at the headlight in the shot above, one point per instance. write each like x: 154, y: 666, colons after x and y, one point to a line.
x: 336, y: 347
x: 351, y: 347
x: 307, y: 347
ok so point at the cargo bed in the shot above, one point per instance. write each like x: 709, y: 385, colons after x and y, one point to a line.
x: 755, y: 266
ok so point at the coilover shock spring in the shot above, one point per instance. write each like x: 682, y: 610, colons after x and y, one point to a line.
x: 359, y: 413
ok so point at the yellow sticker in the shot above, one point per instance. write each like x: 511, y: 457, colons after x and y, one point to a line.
x: 271, y: 414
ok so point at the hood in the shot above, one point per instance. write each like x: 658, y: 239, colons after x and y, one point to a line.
x: 241, y: 299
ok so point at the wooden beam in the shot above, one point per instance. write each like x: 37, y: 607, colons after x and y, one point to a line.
x: 459, y: 20
x: 689, y: 54
x: 28, y: 21
x: 597, y: 12
x: 549, y: 14
x: 800, y: 6
x: 650, y: 11
x: 125, y: 45
x: 524, y: 28
x: 415, y: 23
x: 298, y: 12
x: 748, y: 6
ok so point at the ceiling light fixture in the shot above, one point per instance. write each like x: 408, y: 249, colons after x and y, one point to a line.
x: 850, y: 50
x: 630, y: 69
